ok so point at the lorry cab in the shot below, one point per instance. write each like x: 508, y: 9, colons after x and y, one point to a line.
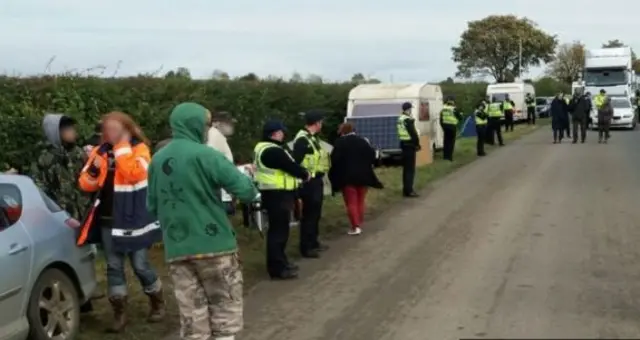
x: 517, y: 93
x: 373, y: 109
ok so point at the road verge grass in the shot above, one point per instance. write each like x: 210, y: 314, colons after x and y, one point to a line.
x: 334, y: 223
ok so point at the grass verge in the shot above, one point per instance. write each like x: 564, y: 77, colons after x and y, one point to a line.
x: 334, y: 222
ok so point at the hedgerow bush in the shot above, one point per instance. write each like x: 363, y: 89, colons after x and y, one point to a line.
x: 24, y: 101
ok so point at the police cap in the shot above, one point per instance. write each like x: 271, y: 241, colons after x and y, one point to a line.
x: 313, y: 116
x: 603, y: 91
x: 272, y: 126
x: 406, y: 106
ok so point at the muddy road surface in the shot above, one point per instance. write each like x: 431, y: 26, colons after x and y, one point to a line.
x: 534, y: 241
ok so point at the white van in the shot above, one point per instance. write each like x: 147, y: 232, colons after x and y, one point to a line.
x: 373, y: 109
x: 517, y: 93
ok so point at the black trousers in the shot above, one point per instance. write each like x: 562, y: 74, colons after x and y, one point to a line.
x: 312, y: 195
x: 568, y: 128
x: 494, y: 131
x: 603, y: 129
x: 582, y: 127
x: 278, y: 205
x: 481, y: 131
x: 448, y: 141
x: 408, y: 168
x: 558, y: 134
x: 531, y: 115
x: 508, y: 121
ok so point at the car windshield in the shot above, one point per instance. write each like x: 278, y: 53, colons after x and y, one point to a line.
x: 605, y: 77
x: 620, y: 103
x: 541, y: 101
x: 376, y: 110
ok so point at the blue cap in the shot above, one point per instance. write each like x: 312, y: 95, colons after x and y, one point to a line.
x: 272, y: 126
x: 313, y: 116
x: 406, y: 106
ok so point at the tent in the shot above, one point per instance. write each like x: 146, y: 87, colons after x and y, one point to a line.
x: 468, y: 128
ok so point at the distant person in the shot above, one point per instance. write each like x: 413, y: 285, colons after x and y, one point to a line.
x: 605, y: 114
x: 508, y: 107
x: 481, y: 119
x: 221, y: 129
x: 559, y: 118
x: 352, y: 173
x: 581, y: 105
x: 495, y: 114
x: 600, y: 98
x: 531, y: 109
x: 185, y: 178
x: 409, y: 144
x: 449, y: 118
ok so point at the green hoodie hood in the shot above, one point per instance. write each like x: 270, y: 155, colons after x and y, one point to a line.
x: 188, y: 121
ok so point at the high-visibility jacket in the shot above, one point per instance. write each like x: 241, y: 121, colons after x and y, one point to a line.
x: 448, y: 116
x: 494, y: 110
x: 403, y: 133
x: 133, y: 227
x: 506, y: 105
x: 318, y: 161
x: 479, y: 120
x: 599, y: 100
x: 530, y: 102
x: 268, y: 178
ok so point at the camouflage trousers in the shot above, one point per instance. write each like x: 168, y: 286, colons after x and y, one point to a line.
x: 209, y: 295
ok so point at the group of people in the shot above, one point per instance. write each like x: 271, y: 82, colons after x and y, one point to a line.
x: 575, y: 112
x: 129, y: 199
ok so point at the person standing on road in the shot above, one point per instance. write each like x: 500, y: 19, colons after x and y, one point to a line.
x: 277, y: 175
x: 531, y: 109
x: 449, y: 117
x: 308, y: 152
x: 495, y: 120
x: 481, y: 119
x: 508, y: 108
x: 116, y: 173
x: 185, y: 178
x: 352, y: 161
x: 600, y: 98
x: 605, y: 114
x: 567, y: 100
x: 559, y: 118
x: 581, y: 106
x: 409, y: 144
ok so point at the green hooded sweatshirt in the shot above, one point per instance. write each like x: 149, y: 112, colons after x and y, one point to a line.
x: 185, y: 178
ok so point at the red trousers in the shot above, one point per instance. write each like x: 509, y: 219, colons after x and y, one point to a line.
x: 354, y: 201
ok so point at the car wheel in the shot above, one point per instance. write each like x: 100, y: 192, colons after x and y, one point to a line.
x: 54, y: 307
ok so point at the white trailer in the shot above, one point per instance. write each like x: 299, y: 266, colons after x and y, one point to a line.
x: 374, y: 111
x: 517, y: 93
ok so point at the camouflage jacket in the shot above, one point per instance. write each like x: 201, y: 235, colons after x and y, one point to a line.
x: 56, y: 172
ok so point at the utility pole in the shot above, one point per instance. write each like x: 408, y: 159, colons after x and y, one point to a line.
x: 519, y: 57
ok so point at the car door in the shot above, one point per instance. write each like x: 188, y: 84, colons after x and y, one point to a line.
x: 15, y: 262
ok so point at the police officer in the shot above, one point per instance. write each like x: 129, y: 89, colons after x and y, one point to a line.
x: 508, y: 110
x: 599, y: 99
x: 449, y: 117
x: 531, y: 109
x: 481, y: 119
x: 277, y: 175
x: 495, y: 117
x: 409, y: 144
x: 308, y: 152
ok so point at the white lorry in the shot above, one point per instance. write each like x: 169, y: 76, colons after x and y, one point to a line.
x: 609, y: 69
x: 517, y: 93
x: 373, y: 109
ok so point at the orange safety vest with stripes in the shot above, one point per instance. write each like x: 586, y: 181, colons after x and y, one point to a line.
x: 133, y: 227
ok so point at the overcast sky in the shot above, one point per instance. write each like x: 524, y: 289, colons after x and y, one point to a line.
x: 406, y: 40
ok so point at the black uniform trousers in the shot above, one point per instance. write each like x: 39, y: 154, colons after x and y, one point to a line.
x: 494, y: 131
x: 567, y: 127
x: 312, y: 195
x: 579, y: 125
x: 408, y: 168
x: 279, y: 204
x: 531, y: 115
x: 508, y: 121
x: 449, y: 141
x: 481, y: 132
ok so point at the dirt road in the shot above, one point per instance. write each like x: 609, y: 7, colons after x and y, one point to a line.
x: 534, y: 241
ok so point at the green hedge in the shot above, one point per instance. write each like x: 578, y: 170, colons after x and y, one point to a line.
x: 23, y: 102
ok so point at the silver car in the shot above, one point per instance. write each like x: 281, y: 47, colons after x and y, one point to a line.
x: 45, y: 276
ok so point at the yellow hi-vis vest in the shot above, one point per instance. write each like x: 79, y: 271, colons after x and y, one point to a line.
x: 531, y: 102
x: 318, y: 161
x: 448, y: 117
x: 272, y: 179
x: 403, y: 133
x: 599, y: 100
x: 506, y: 105
x: 480, y: 121
x: 494, y: 110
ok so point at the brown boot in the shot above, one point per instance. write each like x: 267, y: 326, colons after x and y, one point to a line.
x: 157, y: 311
x: 119, y: 306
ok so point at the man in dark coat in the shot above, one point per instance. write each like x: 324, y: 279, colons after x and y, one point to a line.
x: 559, y: 117
x: 581, y: 108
